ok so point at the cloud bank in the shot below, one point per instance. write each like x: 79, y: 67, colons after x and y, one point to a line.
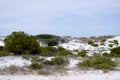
x: 61, y: 17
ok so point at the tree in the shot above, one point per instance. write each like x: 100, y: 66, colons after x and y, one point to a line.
x: 21, y: 43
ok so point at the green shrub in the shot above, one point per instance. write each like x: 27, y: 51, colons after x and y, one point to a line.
x: 98, y: 63
x: 1, y: 48
x: 63, y: 53
x: 59, y: 49
x: 26, y: 56
x: 82, y: 53
x: 110, y: 45
x: 50, y: 40
x: 45, y: 36
x: 103, y: 40
x: 115, y: 42
x: 57, y: 61
x: 21, y: 43
x: 111, y: 42
x: 115, y: 52
x: 38, y: 59
x: 95, y: 45
x: 35, y: 66
x: 48, y: 51
x: 106, y: 54
x: 90, y: 42
x: 4, y: 53
x: 102, y: 43
x: 76, y: 50
x: 52, y: 51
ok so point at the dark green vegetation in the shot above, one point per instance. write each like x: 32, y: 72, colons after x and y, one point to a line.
x: 50, y: 40
x: 92, y: 43
x: 39, y: 64
x: 1, y: 48
x: 21, y: 43
x: 96, y: 39
x: 82, y: 53
x: 3, y: 52
x: 110, y: 45
x: 57, y: 61
x: 35, y: 66
x: 98, y: 62
x: 105, y: 54
x: 102, y: 38
x: 53, y: 51
x: 115, y: 42
x: 115, y: 52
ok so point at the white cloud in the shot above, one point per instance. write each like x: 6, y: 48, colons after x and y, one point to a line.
x: 56, y: 8
x: 37, y: 14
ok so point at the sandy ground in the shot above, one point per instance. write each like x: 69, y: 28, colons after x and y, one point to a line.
x: 88, y: 75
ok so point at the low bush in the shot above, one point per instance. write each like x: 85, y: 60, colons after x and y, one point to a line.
x: 95, y: 45
x: 59, y: 49
x: 35, y: 66
x: 106, y: 54
x: 90, y: 42
x: 110, y: 41
x: 102, y: 43
x: 26, y: 56
x: 115, y: 42
x: 103, y: 40
x: 50, y: 40
x: 98, y: 63
x: 63, y: 53
x: 1, y: 48
x: 57, y: 61
x: 76, y: 50
x: 48, y: 51
x: 3, y: 53
x: 53, y: 51
x: 115, y: 52
x: 82, y: 53
x: 110, y: 45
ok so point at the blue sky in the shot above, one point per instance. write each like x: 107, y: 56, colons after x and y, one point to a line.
x: 60, y: 17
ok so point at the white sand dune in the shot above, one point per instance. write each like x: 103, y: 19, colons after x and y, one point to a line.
x: 13, y: 60
x: 71, y: 74
x: 2, y: 43
x: 88, y: 75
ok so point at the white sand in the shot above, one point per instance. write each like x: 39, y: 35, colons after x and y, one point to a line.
x: 13, y: 60
x: 88, y: 75
x: 2, y: 43
x: 73, y: 63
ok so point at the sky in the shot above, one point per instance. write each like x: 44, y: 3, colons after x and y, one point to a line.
x: 76, y: 18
